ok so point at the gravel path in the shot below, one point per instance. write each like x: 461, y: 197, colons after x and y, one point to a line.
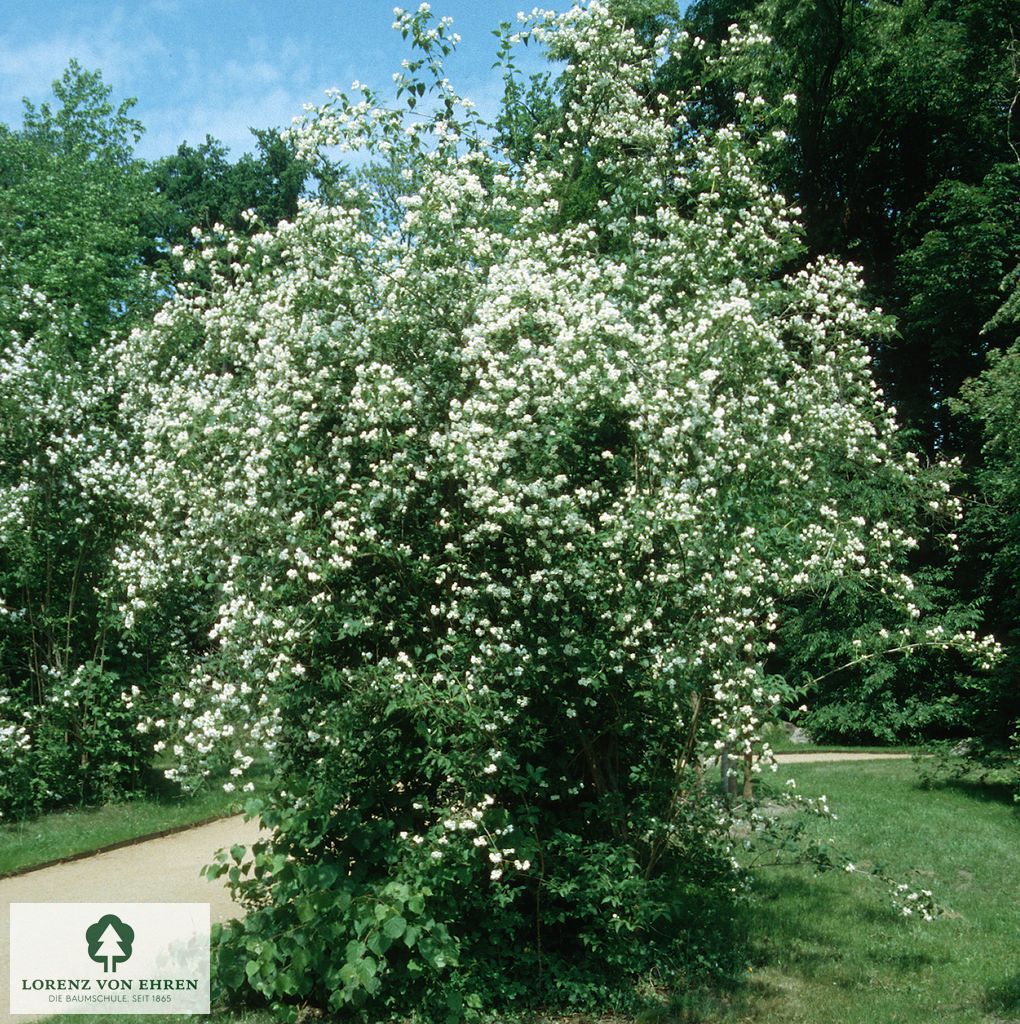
x: 161, y: 870
x: 846, y: 755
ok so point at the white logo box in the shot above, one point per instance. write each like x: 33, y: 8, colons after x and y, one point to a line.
x: 109, y: 958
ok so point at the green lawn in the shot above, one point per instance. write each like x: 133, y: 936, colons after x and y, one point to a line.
x: 829, y: 950
x: 82, y: 830
x: 786, y: 747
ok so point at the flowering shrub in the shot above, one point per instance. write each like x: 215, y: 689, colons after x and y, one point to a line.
x: 65, y: 733
x: 72, y: 211
x: 500, y: 506
x: 81, y: 745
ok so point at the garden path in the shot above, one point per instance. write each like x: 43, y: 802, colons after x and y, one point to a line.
x: 164, y: 870
x: 812, y: 757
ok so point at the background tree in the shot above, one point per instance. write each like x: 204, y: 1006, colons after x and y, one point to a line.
x: 899, y: 139
x: 991, y: 539
x: 897, y: 151
x: 74, y: 204
x: 199, y: 187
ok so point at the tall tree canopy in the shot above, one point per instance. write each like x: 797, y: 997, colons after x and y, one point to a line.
x: 900, y: 160
x: 76, y: 206
x: 199, y: 187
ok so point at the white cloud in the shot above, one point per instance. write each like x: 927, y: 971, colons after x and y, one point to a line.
x: 225, y: 99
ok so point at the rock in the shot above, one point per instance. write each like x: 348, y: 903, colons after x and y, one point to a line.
x: 795, y: 734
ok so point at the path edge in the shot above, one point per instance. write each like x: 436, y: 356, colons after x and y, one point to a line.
x: 119, y: 845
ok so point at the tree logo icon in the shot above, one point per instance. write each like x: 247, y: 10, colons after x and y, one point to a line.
x: 109, y: 942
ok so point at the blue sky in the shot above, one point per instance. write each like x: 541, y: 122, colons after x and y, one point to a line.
x: 215, y: 67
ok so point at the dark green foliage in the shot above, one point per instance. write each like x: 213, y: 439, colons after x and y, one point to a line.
x: 84, y: 747
x: 855, y: 695
x: 898, y: 153
x: 991, y: 536
x: 575, y: 933
x: 968, y: 237
x: 199, y: 187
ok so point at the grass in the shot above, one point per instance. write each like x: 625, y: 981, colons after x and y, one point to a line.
x: 82, y: 830
x: 830, y: 949
x: 786, y: 747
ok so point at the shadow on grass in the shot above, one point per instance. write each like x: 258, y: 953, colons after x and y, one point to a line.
x: 1004, y: 998
x: 979, y: 790
x: 154, y: 785
x: 815, y: 939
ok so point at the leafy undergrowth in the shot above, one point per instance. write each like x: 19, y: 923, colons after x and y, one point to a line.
x: 250, y: 1017
x: 60, y: 834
